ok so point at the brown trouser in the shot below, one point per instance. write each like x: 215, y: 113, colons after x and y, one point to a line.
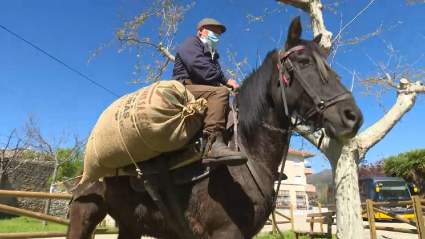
x: 217, y: 99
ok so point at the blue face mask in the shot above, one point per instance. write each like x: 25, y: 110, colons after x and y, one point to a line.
x: 212, y: 39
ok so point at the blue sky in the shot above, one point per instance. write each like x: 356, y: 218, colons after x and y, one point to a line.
x: 31, y: 82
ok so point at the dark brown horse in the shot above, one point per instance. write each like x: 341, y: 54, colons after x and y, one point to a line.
x: 235, y: 202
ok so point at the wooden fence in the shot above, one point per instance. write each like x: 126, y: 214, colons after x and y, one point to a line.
x: 418, y: 222
x: 328, y: 218
x: 371, y: 209
x: 40, y: 216
x: 289, y: 218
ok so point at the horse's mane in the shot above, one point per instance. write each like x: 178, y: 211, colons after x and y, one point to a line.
x: 252, y: 99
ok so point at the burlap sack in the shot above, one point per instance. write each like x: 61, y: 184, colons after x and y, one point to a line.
x: 159, y: 118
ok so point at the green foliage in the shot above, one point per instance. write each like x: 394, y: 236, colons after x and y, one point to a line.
x: 323, y: 195
x: 409, y: 165
x: 70, y: 168
x: 405, y: 164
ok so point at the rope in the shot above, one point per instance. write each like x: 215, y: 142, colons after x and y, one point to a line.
x: 139, y: 172
x: 67, y: 180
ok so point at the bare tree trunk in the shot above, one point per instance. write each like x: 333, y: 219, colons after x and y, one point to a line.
x: 2, y: 168
x: 344, y: 160
x: 52, y: 185
x: 1, y: 179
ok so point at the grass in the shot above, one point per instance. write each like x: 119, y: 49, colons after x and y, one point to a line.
x: 286, y: 235
x: 26, y: 224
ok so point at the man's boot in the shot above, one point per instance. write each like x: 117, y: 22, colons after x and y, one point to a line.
x: 217, y: 152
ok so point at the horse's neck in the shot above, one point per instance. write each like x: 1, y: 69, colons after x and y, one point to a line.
x: 265, y: 151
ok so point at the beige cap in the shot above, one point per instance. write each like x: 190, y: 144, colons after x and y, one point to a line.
x: 210, y: 21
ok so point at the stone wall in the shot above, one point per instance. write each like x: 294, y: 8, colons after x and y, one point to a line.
x: 60, y: 208
x: 29, y: 176
x: 33, y: 176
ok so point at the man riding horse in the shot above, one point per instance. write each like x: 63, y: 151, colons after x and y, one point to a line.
x: 196, y: 66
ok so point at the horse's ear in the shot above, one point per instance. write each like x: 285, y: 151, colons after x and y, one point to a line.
x: 294, y: 32
x: 318, y: 38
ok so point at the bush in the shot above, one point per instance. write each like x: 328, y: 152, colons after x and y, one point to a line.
x: 409, y: 165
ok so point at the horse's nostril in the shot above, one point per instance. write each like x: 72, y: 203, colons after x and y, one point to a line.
x: 350, y: 118
x: 349, y: 114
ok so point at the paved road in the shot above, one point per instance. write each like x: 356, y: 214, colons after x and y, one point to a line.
x: 300, y: 224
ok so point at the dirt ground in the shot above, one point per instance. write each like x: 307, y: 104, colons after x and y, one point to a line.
x: 300, y: 224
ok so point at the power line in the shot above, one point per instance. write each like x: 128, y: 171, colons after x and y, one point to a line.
x: 87, y: 78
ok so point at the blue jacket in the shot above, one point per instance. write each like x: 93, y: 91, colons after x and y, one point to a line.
x: 193, y: 61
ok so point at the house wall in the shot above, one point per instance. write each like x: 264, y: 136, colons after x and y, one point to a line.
x: 294, y: 168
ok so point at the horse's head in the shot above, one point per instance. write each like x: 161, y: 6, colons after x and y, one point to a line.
x: 312, y: 89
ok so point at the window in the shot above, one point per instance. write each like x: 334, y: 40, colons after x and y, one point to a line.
x: 297, y: 162
x: 298, y: 180
x: 283, y: 198
x: 301, y: 200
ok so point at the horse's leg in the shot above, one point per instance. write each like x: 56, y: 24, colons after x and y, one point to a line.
x: 86, y: 213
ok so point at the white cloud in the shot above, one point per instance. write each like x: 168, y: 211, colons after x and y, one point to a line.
x: 306, y: 161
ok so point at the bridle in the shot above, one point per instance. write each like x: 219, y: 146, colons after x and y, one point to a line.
x: 287, y: 70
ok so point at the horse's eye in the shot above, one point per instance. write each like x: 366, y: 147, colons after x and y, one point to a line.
x: 304, y: 62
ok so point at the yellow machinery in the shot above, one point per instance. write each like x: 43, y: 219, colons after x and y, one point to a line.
x: 384, y: 189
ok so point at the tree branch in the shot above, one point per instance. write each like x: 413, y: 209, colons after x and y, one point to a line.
x: 407, y: 95
x: 159, y: 47
x: 73, y: 152
x: 391, y: 81
x: 301, y: 4
x: 335, y: 50
x: 251, y: 18
x: 314, y: 9
x: 13, y: 153
x: 339, y: 33
x: 313, y: 137
x: 418, y: 87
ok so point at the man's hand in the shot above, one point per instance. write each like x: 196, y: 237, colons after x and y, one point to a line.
x: 232, y: 83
